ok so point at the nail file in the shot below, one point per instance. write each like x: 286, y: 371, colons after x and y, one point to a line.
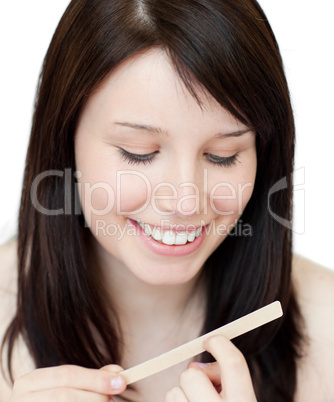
x: 190, y: 349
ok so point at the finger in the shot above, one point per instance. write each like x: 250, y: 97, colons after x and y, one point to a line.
x: 175, y: 395
x: 112, y: 368
x: 212, y: 370
x: 197, y: 386
x: 99, y: 381
x: 64, y: 395
x: 235, y: 377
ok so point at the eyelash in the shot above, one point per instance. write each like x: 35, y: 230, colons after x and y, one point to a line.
x: 135, y: 159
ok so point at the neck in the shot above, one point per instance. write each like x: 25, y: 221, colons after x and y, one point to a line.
x: 140, y: 305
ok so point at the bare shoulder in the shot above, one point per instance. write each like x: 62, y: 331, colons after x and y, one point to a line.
x: 313, y: 280
x: 314, y: 285
x: 8, y: 276
x: 21, y: 359
x: 8, y: 266
x: 8, y: 282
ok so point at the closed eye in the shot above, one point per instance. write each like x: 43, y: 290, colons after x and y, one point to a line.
x: 223, y: 161
x: 136, y: 159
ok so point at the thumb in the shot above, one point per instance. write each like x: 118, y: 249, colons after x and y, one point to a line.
x: 112, y: 368
x: 118, y: 382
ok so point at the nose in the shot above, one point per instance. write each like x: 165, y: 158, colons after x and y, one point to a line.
x: 182, y: 192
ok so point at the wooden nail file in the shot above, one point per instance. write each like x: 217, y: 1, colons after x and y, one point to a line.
x: 190, y: 349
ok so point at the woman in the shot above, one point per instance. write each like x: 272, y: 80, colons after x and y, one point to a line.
x: 147, y: 213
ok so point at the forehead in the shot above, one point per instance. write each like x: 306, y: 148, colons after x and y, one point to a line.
x: 147, y: 89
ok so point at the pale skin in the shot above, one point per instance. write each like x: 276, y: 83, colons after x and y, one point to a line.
x: 160, y: 314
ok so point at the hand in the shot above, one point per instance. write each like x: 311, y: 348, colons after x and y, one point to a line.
x: 226, y: 380
x: 69, y: 383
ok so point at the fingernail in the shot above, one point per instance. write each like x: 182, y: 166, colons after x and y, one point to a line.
x: 111, y: 400
x: 202, y: 365
x: 117, y: 382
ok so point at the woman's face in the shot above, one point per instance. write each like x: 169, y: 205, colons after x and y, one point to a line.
x: 149, y: 155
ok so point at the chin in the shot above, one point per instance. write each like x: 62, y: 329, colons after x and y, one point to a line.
x: 166, y: 274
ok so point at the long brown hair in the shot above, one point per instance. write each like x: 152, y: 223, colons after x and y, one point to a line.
x: 226, y: 46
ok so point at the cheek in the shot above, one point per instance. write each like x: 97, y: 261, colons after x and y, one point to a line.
x: 133, y: 189
x: 225, y: 199
x: 121, y: 193
x: 106, y: 185
x: 230, y: 197
x: 96, y: 197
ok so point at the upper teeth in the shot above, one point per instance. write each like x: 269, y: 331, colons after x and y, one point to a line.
x: 170, y: 237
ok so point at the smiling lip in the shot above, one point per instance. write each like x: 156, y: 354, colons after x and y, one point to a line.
x: 164, y: 249
x: 175, y: 228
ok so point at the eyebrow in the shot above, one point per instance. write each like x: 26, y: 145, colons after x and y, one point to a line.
x: 142, y: 127
x: 158, y: 130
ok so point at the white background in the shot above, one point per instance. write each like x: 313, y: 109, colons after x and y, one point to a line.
x: 305, y: 33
